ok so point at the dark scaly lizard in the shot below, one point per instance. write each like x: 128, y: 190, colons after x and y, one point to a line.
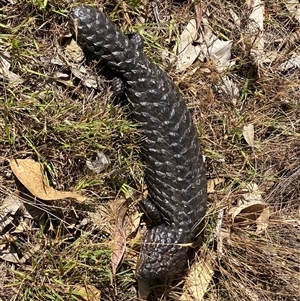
x: 174, y: 174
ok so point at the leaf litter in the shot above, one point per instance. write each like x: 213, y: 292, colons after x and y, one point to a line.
x: 30, y: 174
x: 198, y: 279
x: 13, y: 79
x: 248, y: 133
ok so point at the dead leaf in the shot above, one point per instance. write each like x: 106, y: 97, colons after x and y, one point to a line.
x: 220, y: 52
x: 188, y: 36
x: 96, y: 218
x: 62, y: 78
x: 223, y: 235
x: 215, y: 49
x: 198, y: 279
x: 10, y: 205
x: 187, y: 52
x: 293, y: 6
x: 252, y: 193
x: 13, y: 79
x: 212, y: 183
x: 230, y: 88
x: 262, y: 221
x: 24, y: 226
x: 249, y: 213
x: 255, y: 29
x: 30, y: 174
x: 73, y: 52
x: 8, y: 208
x: 100, y: 164
x: 86, y: 293
x: 292, y: 63
x: 133, y: 223
x: 73, y: 55
x: 56, y: 60
x: 187, y: 57
x: 119, y: 237
x: 8, y: 251
x: 88, y: 79
x: 248, y: 133
x: 33, y: 250
x: 60, y: 75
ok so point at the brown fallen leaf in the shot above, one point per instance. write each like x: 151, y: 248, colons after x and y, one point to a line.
x: 198, y: 279
x: 30, y: 174
x: 73, y: 52
x: 262, y: 221
x: 252, y: 212
x: 119, y: 237
x: 133, y: 223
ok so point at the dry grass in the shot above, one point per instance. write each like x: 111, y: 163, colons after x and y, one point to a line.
x: 61, y: 123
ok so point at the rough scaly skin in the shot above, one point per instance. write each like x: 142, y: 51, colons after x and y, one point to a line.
x: 174, y: 174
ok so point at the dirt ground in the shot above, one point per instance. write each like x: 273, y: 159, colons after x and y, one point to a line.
x: 69, y: 231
